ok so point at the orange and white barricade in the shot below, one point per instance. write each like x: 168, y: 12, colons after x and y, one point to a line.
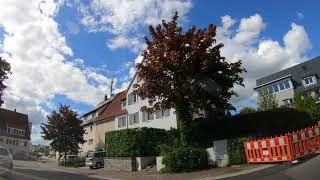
x: 305, y: 141
x: 283, y: 148
x: 268, y: 150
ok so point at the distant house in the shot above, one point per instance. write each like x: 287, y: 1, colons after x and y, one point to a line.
x: 101, y: 120
x: 302, y: 78
x: 15, y: 133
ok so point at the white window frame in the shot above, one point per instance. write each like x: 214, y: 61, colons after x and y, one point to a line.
x: 135, y: 119
x: 307, y: 81
x: 146, y: 117
x: 123, y: 103
x: 163, y: 113
x: 122, y: 121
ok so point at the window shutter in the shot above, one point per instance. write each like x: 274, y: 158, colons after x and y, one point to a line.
x: 131, y: 118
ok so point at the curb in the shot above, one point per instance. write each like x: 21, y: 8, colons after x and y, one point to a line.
x: 239, y: 173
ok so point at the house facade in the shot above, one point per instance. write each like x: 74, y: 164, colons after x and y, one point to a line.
x: 101, y: 120
x: 15, y: 130
x: 302, y: 78
x: 134, y: 117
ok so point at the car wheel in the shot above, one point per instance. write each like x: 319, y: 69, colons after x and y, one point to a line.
x: 98, y: 165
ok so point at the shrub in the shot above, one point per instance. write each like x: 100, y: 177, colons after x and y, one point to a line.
x: 135, y: 142
x: 183, y: 159
x: 236, y: 151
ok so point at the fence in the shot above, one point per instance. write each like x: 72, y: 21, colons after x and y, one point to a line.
x: 283, y: 148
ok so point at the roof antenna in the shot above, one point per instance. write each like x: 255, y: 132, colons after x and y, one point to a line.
x: 111, y: 86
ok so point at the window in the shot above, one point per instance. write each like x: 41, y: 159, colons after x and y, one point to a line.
x: 25, y: 144
x: 122, y: 121
x: 138, y: 78
x: 8, y: 130
x: 276, y: 87
x: 123, y: 103
x: 132, y: 98
x: 90, y: 128
x: 308, y: 80
x: 1, y: 140
x: 134, y: 118
x: 163, y: 113
x: 90, y: 141
x: 147, y: 116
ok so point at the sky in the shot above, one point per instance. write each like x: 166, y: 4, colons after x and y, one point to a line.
x: 67, y: 51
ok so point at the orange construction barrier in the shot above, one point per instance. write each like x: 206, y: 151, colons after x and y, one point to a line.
x: 283, y: 148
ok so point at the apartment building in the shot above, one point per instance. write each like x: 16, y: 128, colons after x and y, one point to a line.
x: 15, y: 130
x: 302, y: 78
x: 101, y: 120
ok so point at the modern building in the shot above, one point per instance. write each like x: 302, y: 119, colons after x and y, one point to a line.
x: 101, y: 120
x: 15, y: 130
x: 302, y: 78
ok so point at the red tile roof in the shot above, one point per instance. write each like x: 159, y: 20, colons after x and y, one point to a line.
x: 113, y: 108
x: 15, y: 120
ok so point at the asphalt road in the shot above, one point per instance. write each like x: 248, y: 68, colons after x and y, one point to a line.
x: 307, y: 169
x: 42, y: 170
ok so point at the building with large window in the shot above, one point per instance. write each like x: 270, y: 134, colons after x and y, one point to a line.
x: 302, y: 79
x: 15, y: 133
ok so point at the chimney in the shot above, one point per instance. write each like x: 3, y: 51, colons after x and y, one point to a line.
x: 105, y: 97
x: 15, y: 110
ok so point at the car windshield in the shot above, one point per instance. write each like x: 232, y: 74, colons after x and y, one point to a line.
x: 4, y: 152
x: 90, y: 154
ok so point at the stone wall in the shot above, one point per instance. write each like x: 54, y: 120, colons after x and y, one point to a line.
x: 120, y: 163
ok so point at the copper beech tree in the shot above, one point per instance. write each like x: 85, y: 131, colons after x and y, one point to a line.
x: 4, y: 71
x: 185, y: 71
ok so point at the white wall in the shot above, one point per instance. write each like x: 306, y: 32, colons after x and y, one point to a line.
x: 163, y: 123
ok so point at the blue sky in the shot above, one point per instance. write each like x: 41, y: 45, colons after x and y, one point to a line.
x: 66, y: 51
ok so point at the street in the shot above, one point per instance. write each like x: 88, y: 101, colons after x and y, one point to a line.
x: 44, y: 170
x: 306, y: 170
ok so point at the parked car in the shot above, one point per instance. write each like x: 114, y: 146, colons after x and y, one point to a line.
x: 70, y: 158
x: 6, y: 162
x: 95, y: 159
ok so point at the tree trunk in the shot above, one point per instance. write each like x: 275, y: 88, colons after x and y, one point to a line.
x: 184, y: 121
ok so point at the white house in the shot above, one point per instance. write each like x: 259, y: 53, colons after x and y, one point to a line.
x: 134, y: 117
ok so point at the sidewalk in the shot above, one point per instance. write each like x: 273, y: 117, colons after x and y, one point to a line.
x: 213, y: 173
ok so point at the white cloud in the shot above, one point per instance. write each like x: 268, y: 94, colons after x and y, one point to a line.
x: 261, y: 59
x: 40, y: 61
x: 125, y: 18
x: 300, y: 15
x: 249, y: 29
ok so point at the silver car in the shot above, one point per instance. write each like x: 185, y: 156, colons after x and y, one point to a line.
x: 95, y: 159
x: 6, y: 162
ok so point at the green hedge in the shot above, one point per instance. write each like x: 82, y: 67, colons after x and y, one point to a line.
x: 183, y: 159
x: 260, y: 124
x: 135, y: 142
x: 236, y: 151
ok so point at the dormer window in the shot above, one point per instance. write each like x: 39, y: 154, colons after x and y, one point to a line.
x: 309, y: 80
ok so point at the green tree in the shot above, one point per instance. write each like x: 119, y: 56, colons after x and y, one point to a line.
x: 307, y: 104
x: 4, y: 71
x: 247, y: 110
x: 64, y: 130
x: 186, y: 71
x: 267, y: 102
